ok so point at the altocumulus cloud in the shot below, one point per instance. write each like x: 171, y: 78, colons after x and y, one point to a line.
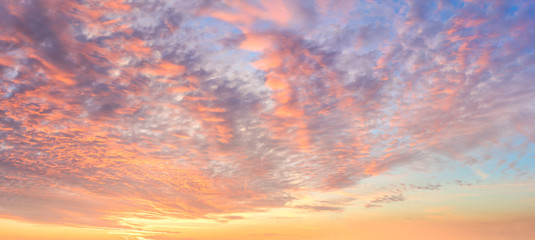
x: 112, y: 109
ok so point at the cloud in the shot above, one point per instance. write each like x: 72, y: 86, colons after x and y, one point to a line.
x: 427, y: 187
x: 318, y: 208
x: 197, y: 108
x: 385, y: 199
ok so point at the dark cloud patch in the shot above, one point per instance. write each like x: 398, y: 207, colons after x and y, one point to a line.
x: 427, y: 187
x: 233, y: 217
x: 463, y: 183
x: 385, y: 199
x: 317, y: 208
x: 420, y: 10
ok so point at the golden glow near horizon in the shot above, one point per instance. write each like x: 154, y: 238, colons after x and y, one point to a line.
x: 267, y: 119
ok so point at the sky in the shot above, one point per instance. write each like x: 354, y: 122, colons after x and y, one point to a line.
x: 267, y: 119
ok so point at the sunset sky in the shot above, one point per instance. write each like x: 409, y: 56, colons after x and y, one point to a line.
x: 267, y: 119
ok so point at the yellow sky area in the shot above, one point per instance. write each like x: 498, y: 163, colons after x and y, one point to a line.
x: 287, y: 229
x: 15, y: 230
x: 488, y: 212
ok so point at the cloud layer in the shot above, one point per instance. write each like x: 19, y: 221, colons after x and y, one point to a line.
x: 112, y: 109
